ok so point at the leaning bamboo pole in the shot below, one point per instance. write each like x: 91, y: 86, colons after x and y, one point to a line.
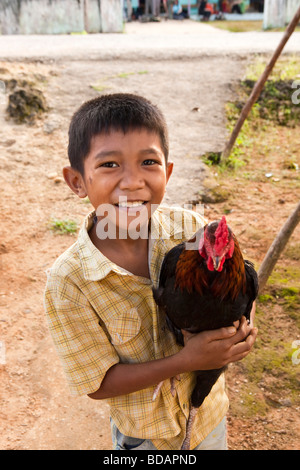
x: 259, y: 86
x: 277, y: 247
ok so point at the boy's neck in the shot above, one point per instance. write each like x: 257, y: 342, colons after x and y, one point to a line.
x: 129, y: 254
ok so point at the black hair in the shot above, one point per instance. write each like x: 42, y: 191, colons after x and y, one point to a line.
x: 114, y: 112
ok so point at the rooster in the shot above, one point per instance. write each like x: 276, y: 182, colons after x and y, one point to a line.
x: 205, y: 284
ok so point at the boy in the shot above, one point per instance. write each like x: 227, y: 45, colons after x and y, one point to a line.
x: 108, y: 332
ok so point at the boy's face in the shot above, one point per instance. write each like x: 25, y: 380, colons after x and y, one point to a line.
x: 129, y: 166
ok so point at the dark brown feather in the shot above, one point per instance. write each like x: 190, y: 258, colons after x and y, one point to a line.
x: 193, y: 276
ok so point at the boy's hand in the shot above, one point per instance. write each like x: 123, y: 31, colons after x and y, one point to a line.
x: 217, y: 348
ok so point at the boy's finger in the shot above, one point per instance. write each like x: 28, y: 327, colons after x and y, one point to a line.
x: 252, y: 314
x: 221, y: 333
x: 242, y: 332
x: 234, y: 334
x: 212, y: 335
x: 241, y: 349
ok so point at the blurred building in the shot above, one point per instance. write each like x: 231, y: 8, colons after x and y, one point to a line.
x: 278, y: 13
x: 60, y: 16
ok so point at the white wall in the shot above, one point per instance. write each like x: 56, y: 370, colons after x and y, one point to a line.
x: 92, y: 18
x: 60, y: 16
x: 278, y: 13
x: 291, y: 9
x: 9, y: 14
x: 111, y: 13
x: 54, y: 17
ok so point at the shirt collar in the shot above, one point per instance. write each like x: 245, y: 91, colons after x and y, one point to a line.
x: 164, y: 225
x: 164, y: 228
x: 96, y: 266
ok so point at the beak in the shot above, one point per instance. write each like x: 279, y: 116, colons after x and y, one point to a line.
x: 217, y: 262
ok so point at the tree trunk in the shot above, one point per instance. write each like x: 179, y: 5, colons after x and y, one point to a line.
x: 277, y: 247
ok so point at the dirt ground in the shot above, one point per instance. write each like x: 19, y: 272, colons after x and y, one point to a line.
x: 37, y: 411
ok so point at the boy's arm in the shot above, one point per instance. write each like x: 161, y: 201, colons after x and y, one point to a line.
x: 207, y: 350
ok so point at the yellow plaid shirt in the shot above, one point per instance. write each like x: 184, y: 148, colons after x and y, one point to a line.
x: 100, y: 314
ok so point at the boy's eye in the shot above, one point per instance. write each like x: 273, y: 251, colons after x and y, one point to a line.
x: 109, y: 165
x: 149, y: 161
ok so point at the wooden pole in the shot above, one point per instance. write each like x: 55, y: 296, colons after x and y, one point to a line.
x: 259, y: 85
x: 277, y: 247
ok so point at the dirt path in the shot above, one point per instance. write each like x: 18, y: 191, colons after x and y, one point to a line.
x: 152, y: 41
x: 37, y: 411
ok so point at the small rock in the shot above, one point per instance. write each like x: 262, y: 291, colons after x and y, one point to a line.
x: 3, y: 249
x: 8, y: 143
x: 50, y: 127
x: 58, y: 179
x: 52, y: 175
x: 27, y: 310
x: 285, y: 402
x: 26, y: 104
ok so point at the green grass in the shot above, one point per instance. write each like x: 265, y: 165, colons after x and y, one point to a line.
x: 79, y: 33
x: 238, y: 26
x: 244, y: 26
x: 101, y: 86
x: 124, y: 75
x: 63, y: 226
x: 85, y: 200
x: 286, y: 68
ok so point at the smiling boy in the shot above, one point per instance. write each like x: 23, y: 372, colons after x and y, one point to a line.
x: 120, y: 166
x: 108, y: 332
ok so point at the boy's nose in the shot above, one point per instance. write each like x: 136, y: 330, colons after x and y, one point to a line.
x: 131, y: 180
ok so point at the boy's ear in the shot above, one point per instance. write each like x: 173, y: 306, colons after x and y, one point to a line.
x: 169, y: 170
x: 75, y: 181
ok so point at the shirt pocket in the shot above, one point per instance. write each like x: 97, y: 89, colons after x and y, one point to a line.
x: 124, y: 328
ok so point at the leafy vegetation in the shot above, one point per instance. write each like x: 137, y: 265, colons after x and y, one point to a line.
x: 244, y: 26
x: 63, y: 226
x: 238, y: 26
x: 273, y: 108
x: 101, y: 86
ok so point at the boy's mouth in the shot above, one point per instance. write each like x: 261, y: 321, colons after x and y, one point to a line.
x: 129, y: 204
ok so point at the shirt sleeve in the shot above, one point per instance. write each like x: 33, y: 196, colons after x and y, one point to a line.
x: 82, y: 345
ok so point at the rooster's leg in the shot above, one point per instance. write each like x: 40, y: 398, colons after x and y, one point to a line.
x: 173, y: 388
x: 187, y: 441
x: 156, y: 390
x: 158, y: 387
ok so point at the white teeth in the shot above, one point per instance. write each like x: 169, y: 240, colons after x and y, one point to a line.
x: 130, y: 204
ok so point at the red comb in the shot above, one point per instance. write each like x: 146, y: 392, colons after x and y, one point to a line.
x: 221, y: 235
